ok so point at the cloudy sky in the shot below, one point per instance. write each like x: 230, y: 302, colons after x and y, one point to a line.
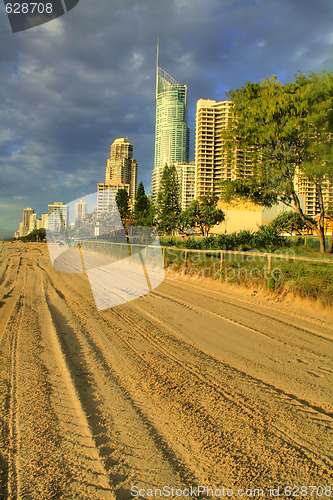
x: 73, y: 85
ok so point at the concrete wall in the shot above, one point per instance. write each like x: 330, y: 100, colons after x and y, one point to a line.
x: 245, y: 215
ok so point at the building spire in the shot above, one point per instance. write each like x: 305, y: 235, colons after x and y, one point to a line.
x: 157, y: 55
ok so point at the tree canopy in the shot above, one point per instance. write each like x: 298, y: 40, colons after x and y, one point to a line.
x: 284, y: 133
x: 204, y: 213
x: 289, y: 222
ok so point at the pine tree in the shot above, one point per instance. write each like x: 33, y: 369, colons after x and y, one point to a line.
x: 141, y: 205
x: 122, y: 200
x: 168, y: 204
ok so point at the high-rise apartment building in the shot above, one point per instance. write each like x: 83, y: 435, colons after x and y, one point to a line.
x: 211, y: 118
x: 25, y: 224
x: 306, y: 190
x: 43, y: 220
x: 27, y: 212
x: 81, y: 210
x: 33, y: 223
x: 106, y: 192
x: 186, y: 181
x: 57, y: 224
x: 122, y: 167
x: 171, y: 131
x: 23, y: 231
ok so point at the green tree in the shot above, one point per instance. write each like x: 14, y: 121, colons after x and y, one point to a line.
x: 184, y: 220
x: 289, y: 221
x: 284, y: 131
x: 36, y: 235
x: 143, y: 211
x: 204, y: 213
x: 168, y: 204
x: 122, y: 200
x: 149, y: 216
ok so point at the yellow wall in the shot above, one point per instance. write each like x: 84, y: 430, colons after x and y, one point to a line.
x: 245, y: 215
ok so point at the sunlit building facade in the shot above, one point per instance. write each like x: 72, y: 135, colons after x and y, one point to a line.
x: 122, y: 167
x: 81, y: 210
x: 211, y: 118
x: 306, y: 190
x: 60, y: 221
x: 186, y: 181
x: 171, y: 130
x: 106, y: 193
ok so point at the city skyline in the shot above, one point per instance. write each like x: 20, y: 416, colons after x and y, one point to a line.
x: 68, y: 93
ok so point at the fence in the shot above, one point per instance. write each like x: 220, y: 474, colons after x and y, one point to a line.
x: 219, y: 254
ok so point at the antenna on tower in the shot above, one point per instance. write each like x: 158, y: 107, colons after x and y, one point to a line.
x: 158, y: 50
x: 157, y: 55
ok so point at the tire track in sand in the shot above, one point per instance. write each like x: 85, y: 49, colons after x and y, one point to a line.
x: 14, y: 323
x: 91, y: 471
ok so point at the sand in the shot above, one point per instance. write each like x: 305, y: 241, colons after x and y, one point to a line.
x: 196, y: 383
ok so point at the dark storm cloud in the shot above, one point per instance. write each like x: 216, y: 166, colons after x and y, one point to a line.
x: 71, y: 86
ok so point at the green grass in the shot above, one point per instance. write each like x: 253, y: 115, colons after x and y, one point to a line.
x: 312, y: 280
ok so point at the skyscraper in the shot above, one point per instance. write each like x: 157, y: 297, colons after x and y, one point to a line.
x: 121, y: 166
x: 171, y: 132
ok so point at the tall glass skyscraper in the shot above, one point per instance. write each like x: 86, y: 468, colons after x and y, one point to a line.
x: 171, y: 132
